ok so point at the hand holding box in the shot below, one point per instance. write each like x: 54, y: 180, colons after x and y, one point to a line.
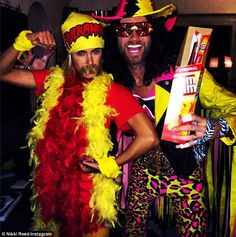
x: 187, y: 81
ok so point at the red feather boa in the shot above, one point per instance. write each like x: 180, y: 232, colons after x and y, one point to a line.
x: 63, y: 190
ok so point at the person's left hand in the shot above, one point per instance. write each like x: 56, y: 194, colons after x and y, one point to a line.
x: 196, y: 128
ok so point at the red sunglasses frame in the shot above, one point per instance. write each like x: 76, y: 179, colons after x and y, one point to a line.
x: 125, y: 30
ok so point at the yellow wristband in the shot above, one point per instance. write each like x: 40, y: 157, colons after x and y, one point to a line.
x: 22, y: 43
x: 109, y: 167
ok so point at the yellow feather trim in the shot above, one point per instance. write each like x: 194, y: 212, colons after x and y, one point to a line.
x: 47, y: 100
x: 94, y: 117
x: 39, y: 225
x: 95, y: 112
x: 103, y: 201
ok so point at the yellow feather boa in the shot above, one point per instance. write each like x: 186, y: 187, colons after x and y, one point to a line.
x: 48, y: 99
x: 103, y: 200
x: 94, y: 117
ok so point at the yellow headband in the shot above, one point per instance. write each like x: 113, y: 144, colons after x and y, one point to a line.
x: 82, y: 32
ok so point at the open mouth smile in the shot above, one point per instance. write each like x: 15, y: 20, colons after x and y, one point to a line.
x: 134, y: 48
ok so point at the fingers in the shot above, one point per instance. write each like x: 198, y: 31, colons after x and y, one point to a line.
x: 88, y: 167
x: 192, y: 130
x: 185, y: 138
x: 192, y: 124
x: 198, y: 119
x: 91, y: 164
x: 194, y: 119
x: 185, y: 145
x: 44, y: 39
x: 191, y: 143
x: 85, y: 168
x: 88, y: 164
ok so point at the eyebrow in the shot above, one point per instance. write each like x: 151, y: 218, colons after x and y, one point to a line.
x: 97, y: 49
x: 133, y: 22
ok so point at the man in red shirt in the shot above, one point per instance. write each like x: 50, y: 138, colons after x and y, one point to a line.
x: 77, y: 105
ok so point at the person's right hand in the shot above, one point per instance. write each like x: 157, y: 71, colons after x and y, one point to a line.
x: 44, y: 39
x: 30, y: 61
x: 88, y: 165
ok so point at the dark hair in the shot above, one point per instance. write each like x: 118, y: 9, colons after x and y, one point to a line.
x: 157, y: 61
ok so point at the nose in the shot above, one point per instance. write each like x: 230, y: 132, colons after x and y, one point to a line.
x: 134, y: 35
x: 89, y: 58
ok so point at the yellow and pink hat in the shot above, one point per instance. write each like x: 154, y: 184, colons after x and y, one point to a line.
x: 136, y: 8
x: 82, y: 32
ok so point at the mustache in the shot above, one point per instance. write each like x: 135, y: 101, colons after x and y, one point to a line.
x: 90, y: 69
x: 134, y: 42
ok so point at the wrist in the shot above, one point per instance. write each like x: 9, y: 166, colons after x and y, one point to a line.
x: 109, y: 167
x: 224, y: 127
x: 209, y: 133
x: 215, y: 128
x: 22, y: 43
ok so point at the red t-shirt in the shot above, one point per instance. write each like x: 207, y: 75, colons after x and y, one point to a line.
x: 118, y: 97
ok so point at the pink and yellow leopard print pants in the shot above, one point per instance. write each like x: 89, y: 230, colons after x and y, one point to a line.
x: 187, y: 199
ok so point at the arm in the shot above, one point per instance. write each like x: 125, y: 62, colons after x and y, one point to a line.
x: 22, y: 77
x: 145, y: 139
x: 130, y: 115
x: 219, y: 103
x: 198, y: 127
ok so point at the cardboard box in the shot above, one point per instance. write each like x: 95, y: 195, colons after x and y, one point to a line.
x: 198, y: 37
x: 187, y: 80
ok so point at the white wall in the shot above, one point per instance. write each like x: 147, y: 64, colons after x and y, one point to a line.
x: 53, y: 9
x: 184, y: 6
x: 90, y: 5
x: 201, y: 6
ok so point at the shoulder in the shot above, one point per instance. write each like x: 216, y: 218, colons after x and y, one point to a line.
x: 208, y: 83
x: 115, y: 85
x: 116, y: 88
x: 40, y: 73
x: 120, y: 95
x: 165, y: 76
x: 126, y: 106
x: 165, y: 79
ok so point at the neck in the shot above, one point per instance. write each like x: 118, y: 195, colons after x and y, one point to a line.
x: 137, y: 72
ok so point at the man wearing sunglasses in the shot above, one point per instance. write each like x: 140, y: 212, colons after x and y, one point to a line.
x: 143, y: 64
x: 134, y: 51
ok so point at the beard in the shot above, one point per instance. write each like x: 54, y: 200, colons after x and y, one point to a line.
x: 90, y: 71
